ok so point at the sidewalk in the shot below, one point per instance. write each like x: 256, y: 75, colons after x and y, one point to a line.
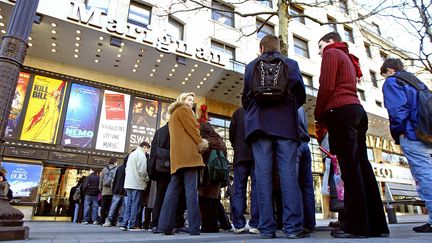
x: 65, y: 232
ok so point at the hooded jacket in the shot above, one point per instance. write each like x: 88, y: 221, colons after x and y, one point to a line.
x: 136, y: 177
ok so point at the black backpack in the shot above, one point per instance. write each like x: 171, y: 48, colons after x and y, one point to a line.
x: 424, y: 114
x: 269, y: 84
x: 218, y: 167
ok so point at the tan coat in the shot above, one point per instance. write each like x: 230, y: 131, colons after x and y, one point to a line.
x: 184, y: 138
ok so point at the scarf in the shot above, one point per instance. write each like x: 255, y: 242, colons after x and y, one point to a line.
x: 344, y: 47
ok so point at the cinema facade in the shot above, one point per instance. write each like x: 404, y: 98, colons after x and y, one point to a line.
x: 99, y: 76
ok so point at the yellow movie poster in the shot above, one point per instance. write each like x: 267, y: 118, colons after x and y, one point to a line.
x: 44, y: 109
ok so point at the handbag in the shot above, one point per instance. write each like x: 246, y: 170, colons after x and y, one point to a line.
x: 337, y: 176
x: 162, y: 159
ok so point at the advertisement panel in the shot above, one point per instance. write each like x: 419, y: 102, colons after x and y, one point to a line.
x: 17, y: 106
x: 23, y: 179
x: 143, y: 121
x: 113, y: 122
x: 80, y: 122
x: 164, y: 117
x: 44, y: 109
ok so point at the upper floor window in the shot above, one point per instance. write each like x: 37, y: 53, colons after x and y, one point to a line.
x: 368, y: 50
x: 139, y: 14
x: 378, y: 103
x: 331, y: 25
x: 266, y: 29
x: 101, y: 4
x: 373, y: 79
x: 376, y: 28
x: 175, y: 29
x: 343, y: 6
x: 383, y: 56
x: 224, y: 16
x: 297, y: 11
x: 307, y: 80
x: 361, y: 94
x: 348, y: 34
x: 268, y: 3
x: 301, y: 47
x: 220, y: 47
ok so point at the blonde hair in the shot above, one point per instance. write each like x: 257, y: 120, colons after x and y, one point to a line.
x: 182, y: 96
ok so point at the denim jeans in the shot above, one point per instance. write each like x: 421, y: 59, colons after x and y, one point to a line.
x: 76, y: 212
x: 90, y: 202
x: 419, y: 155
x: 132, y: 208
x: 186, y: 177
x: 117, y: 202
x: 242, y: 170
x: 306, y: 186
x: 284, y: 153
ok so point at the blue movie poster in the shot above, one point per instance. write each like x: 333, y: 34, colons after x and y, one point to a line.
x: 23, y: 178
x: 80, y: 122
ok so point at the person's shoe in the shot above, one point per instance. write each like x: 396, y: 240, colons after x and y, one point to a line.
x: 195, y: 233
x: 122, y: 228
x: 426, y: 228
x: 95, y: 223
x: 338, y: 233
x: 298, y: 235
x: 107, y: 224
x: 84, y: 223
x: 241, y: 230
x: 254, y: 231
x: 334, y: 224
x: 272, y: 236
x: 181, y: 230
x: 135, y: 229
x: 172, y: 232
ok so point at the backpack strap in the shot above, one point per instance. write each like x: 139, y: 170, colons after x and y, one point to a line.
x: 405, y: 79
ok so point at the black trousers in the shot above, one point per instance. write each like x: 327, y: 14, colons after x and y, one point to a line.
x: 363, y: 211
x: 106, y: 204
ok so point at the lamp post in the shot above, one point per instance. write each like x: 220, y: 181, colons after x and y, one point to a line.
x: 12, y: 54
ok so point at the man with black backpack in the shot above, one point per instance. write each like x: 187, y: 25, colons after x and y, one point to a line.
x: 105, y: 186
x: 409, y: 104
x: 273, y: 91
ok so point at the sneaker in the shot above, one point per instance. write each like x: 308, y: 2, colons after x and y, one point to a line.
x: 84, y: 223
x: 298, y: 235
x: 241, y: 230
x: 107, y: 224
x: 122, y: 228
x: 135, y: 229
x: 272, y: 236
x: 426, y: 228
x: 95, y: 222
x: 254, y: 231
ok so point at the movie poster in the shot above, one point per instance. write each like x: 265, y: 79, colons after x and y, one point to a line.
x: 164, y: 117
x: 113, y: 122
x: 80, y: 122
x: 44, y: 109
x: 23, y: 179
x: 17, y: 105
x: 143, y: 122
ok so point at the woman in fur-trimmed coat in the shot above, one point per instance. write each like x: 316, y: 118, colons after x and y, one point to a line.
x: 185, y: 146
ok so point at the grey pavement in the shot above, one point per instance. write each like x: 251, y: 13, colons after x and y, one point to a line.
x: 66, y: 232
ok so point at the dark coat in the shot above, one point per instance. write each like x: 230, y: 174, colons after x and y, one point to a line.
x: 119, y: 178
x: 91, y: 185
x: 278, y: 120
x: 161, y: 139
x: 302, y: 117
x: 242, y: 152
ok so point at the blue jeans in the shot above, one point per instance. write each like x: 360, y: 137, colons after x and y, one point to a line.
x: 186, y: 177
x: 419, y: 155
x: 132, y: 208
x: 76, y: 211
x: 116, y: 203
x: 90, y: 202
x: 284, y: 153
x: 306, y: 186
x: 241, y: 172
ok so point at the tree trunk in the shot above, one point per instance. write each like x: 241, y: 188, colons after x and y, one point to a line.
x: 283, y: 26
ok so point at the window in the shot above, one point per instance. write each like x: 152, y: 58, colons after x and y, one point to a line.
x: 343, y: 6
x: 361, y: 94
x: 368, y: 50
x: 268, y: 3
x: 101, y: 4
x: 139, y: 14
x: 383, y: 56
x: 297, y: 11
x: 301, y: 47
x: 376, y: 28
x: 378, y: 103
x: 228, y: 50
x: 307, y: 80
x: 222, y: 16
x: 348, y: 34
x: 316, y: 154
x: 266, y: 29
x: 175, y: 29
x: 373, y: 79
x: 331, y: 25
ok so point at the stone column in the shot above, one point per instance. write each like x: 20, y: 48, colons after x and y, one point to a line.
x: 12, y: 54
